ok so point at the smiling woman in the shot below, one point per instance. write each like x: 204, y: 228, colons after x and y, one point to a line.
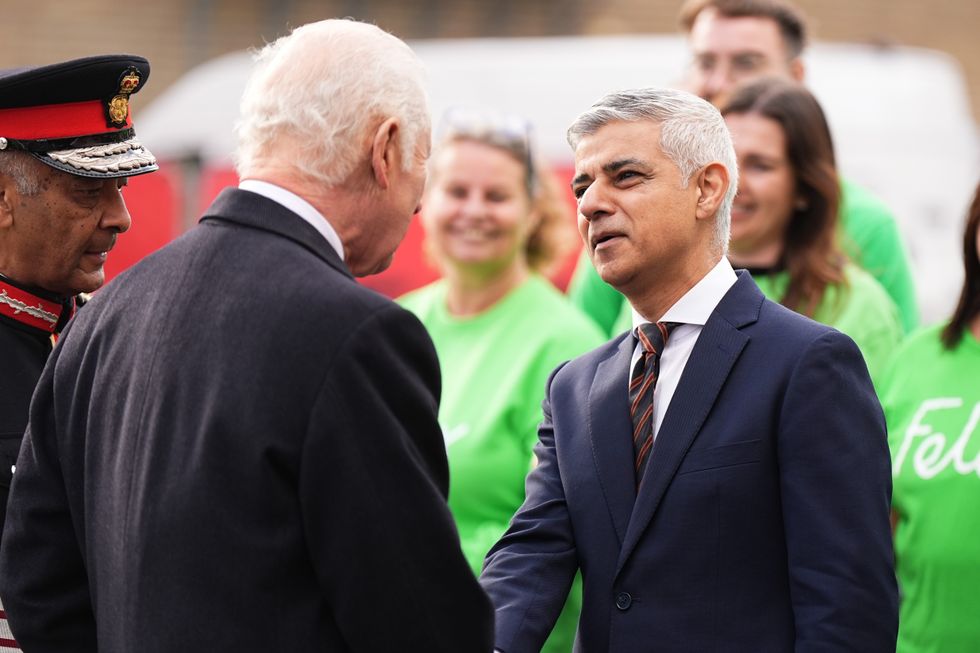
x: 785, y: 217
x: 492, y: 215
x: 493, y: 222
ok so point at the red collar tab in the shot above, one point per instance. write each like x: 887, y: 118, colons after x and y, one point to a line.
x: 27, y: 308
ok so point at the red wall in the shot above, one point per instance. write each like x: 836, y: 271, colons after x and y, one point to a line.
x: 155, y: 203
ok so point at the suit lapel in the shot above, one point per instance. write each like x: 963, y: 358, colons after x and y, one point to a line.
x: 718, y: 347
x: 252, y: 210
x: 609, y: 433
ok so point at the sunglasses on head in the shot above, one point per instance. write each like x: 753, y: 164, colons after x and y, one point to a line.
x: 507, y: 131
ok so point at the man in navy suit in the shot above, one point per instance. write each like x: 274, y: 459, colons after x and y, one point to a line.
x: 749, y: 511
x: 235, y: 446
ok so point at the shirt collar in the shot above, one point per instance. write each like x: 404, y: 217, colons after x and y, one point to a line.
x: 297, y: 205
x: 697, y: 304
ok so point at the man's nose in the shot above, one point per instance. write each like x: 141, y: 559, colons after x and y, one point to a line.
x: 115, y: 215
x: 716, y: 83
x: 593, y: 202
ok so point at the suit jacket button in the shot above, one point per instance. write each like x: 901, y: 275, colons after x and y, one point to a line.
x: 623, y: 600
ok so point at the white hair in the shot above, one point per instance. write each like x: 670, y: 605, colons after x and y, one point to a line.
x: 324, y: 85
x: 692, y: 135
x: 21, y: 167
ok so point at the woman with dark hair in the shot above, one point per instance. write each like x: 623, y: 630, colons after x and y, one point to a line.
x: 494, y: 222
x: 931, y: 395
x: 784, y: 218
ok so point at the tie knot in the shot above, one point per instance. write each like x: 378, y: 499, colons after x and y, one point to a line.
x: 653, y: 336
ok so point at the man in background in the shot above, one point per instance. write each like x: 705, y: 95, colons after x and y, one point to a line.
x: 235, y: 448
x: 733, y: 41
x: 67, y: 148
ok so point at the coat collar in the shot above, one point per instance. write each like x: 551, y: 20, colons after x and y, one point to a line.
x: 609, y: 430
x: 719, y: 345
x: 252, y: 210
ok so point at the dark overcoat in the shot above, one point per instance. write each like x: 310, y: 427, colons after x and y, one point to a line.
x: 23, y: 352
x: 235, y: 448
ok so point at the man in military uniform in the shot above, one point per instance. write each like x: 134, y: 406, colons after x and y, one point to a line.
x: 67, y: 147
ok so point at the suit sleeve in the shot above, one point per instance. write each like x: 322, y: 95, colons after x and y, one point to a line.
x: 836, y: 489
x: 528, y: 573
x: 373, y: 484
x: 43, y: 580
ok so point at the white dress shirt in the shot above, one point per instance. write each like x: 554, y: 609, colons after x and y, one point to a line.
x: 297, y: 205
x: 690, y: 312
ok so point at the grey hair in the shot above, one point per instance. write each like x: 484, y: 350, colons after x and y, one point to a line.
x: 323, y: 86
x: 692, y: 134
x: 20, y: 167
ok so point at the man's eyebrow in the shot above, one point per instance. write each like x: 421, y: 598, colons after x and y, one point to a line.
x: 610, y: 169
x: 580, y: 178
x: 614, y: 166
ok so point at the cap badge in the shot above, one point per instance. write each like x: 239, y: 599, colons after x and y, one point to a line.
x: 129, y: 82
x: 118, y: 106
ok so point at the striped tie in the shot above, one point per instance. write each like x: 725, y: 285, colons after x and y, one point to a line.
x: 652, y: 337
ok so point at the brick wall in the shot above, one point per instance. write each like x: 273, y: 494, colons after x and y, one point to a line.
x: 178, y: 34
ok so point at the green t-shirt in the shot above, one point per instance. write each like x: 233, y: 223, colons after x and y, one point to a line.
x: 494, y: 369
x: 869, y: 236
x: 861, y: 309
x: 931, y: 398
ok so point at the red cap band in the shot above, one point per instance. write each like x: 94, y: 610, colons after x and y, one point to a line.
x: 56, y: 121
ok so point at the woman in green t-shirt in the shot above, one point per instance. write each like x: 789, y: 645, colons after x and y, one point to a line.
x: 931, y: 395
x: 493, y: 222
x: 784, y: 218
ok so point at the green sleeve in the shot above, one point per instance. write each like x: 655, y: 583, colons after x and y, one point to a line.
x: 873, y: 241
x: 624, y: 321
x: 878, y: 348
x: 868, y: 315
x: 593, y: 296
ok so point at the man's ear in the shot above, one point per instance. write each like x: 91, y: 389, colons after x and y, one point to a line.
x: 384, y: 152
x: 8, y: 197
x: 712, y: 184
